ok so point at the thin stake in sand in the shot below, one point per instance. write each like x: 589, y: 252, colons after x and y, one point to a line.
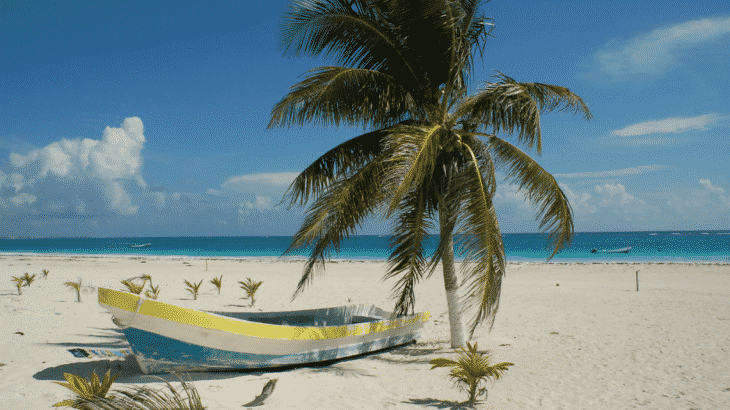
x: 637, y: 280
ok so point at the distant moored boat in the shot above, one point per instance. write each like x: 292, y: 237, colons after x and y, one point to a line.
x: 621, y: 250
x: 143, y: 245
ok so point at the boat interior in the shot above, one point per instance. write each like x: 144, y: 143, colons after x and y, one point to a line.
x: 318, y: 317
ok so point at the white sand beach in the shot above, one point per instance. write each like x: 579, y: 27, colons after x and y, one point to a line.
x: 593, y: 342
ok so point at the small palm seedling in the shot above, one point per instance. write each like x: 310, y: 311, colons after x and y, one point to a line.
x: 133, y: 287
x: 250, y: 287
x: 471, y: 369
x: 146, y: 278
x: 77, y: 287
x: 193, y: 288
x: 92, y: 390
x: 28, y: 279
x: 45, y: 273
x: 154, y: 292
x: 18, y: 283
x: 218, y: 282
x: 146, y: 398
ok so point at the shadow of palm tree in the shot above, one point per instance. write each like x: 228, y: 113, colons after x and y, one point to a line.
x: 117, y: 339
x: 127, y: 367
x: 341, y: 371
x: 129, y: 372
x: 405, y: 355
x: 440, y: 404
x: 120, y: 344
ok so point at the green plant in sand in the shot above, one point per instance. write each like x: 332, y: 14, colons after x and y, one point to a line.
x: 76, y: 286
x: 28, y: 279
x: 218, y: 282
x: 45, y: 273
x: 250, y: 287
x: 193, y: 288
x: 145, y: 278
x: 153, y: 292
x: 403, y: 70
x: 147, y: 398
x: 86, y: 391
x: 471, y: 370
x: 133, y: 287
x: 18, y: 283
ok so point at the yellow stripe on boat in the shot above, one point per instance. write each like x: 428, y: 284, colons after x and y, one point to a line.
x: 121, y: 300
x: 209, y: 321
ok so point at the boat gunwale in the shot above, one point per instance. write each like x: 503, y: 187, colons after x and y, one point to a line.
x: 211, y: 321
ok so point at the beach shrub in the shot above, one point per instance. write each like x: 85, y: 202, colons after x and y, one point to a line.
x: 154, y: 292
x: 147, y: 398
x: 133, y: 287
x: 28, y: 279
x: 45, y: 273
x: 218, y: 282
x: 77, y: 287
x: 18, y: 283
x: 250, y: 287
x: 86, y: 391
x: 471, y: 370
x: 193, y: 288
x: 145, y: 278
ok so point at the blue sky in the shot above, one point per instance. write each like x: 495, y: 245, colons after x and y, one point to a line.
x: 144, y: 118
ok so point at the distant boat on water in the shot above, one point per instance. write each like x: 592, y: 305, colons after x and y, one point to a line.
x: 142, y: 245
x: 621, y: 250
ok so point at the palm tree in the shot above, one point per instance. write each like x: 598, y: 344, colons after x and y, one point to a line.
x: 429, y: 160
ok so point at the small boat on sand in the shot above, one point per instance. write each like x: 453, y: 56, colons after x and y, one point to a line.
x: 621, y: 250
x: 142, y: 245
x: 166, y: 338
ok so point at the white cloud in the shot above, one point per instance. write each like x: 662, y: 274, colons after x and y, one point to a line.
x: 669, y: 125
x: 640, y: 170
x: 259, y: 203
x: 658, y: 50
x: 253, y: 183
x: 707, y: 184
x: 615, y: 195
x: 272, y: 185
x: 77, y: 176
x: 23, y: 198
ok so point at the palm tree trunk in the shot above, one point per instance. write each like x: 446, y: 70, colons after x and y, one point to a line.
x: 451, y: 284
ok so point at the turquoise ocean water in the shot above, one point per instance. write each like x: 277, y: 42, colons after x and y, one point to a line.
x: 676, y: 246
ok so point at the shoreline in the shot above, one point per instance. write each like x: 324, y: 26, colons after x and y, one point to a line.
x: 346, y: 260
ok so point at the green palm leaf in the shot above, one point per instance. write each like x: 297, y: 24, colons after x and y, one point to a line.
x: 354, y: 96
x: 415, y: 151
x: 335, y: 215
x: 407, y: 258
x: 541, y: 189
x: 480, y: 242
x: 510, y: 106
x: 336, y: 164
x: 353, y: 32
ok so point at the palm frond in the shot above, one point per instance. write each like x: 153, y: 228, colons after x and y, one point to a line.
x: 480, y: 242
x: 510, y: 106
x: 336, y: 164
x: 354, y: 32
x: 336, y: 214
x: 484, y: 161
x: 353, y: 96
x: 407, y: 258
x: 541, y: 189
x: 415, y: 151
